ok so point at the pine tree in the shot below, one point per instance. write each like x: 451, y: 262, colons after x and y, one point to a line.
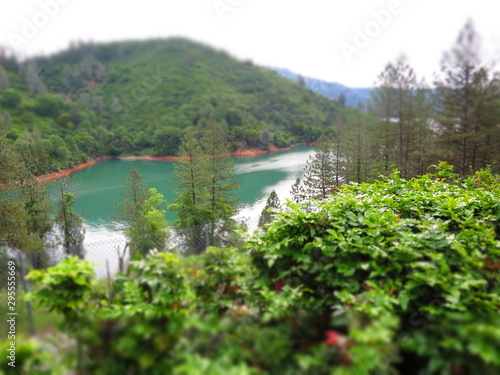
x: 192, y: 203
x: 134, y: 195
x: 222, y: 184
x: 400, y: 102
x: 320, y: 178
x: 464, y: 95
x: 423, y: 139
x: 12, y: 232
x: 150, y: 231
x: 192, y: 179
x: 387, y: 103
x: 70, y: 223
x: 340, y: 148
x: 267, y: 214
x: 9, y: 164
x: 207, y: 198
x: 383, y: 106
x: 29, y: 72
x: 298, y: 192
x: 4, y: 79
x: 131, y: 210
x: 358, y: 161
x: 358, y: 148
x: 35, y: 200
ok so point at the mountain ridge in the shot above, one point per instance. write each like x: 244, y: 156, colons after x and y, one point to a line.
x: 333, y: 90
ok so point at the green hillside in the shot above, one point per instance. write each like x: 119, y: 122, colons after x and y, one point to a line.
x: 140, y: 97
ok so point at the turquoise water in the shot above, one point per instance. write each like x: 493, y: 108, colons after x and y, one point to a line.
x: 98, y: 187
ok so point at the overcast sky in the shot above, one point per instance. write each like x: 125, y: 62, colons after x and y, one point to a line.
x: 348, y: 42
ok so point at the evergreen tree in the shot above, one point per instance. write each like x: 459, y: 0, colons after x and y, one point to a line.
x: 9, y: 161
x: 70, y: 223
x: 139, y: 217
x: 34, y: 198
x: 12, y: 230
x: 424, y: 138
x: 150, y: 231
x: 464, y: 95
x: 31, y: 75
x: 340, y: 149
x: 298, y: 192
x: 354, y: 151
x: 267, y: 214
x: 401, y: 105
x: 320, y: 178
x: 221, y: 184
x: 207, y: 198
x: 405, y: 84
x: 383, y: 106
x: 134, y: 195
x: 192, y: 179
x: 4, y: 79
x: 192, y: 203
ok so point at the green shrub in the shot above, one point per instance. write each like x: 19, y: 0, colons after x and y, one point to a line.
x: 31, y: 357
x: 411, y: 264
x: 398, y: 276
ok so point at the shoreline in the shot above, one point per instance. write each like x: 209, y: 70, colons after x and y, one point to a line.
x: 66, y: 172
x: 241, y: 152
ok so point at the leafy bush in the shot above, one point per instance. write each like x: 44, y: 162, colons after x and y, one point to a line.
x: 10, y: 99
x: 412, y: 265
x: 32, y: 357
x: 398, y: 276
x: 49, y: 105
x: 65, y: 288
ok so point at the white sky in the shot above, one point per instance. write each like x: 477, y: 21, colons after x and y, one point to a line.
x: 303, y: 36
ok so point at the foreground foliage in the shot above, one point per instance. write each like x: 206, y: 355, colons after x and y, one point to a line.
x: 398, y: 276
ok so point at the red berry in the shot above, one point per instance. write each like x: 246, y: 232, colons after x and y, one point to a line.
x: 455, y: 369
x: 332, y: 338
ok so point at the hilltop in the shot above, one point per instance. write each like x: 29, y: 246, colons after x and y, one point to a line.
x: 140, y: 97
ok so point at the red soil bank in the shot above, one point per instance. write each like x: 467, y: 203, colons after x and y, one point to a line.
x: 66, y: 172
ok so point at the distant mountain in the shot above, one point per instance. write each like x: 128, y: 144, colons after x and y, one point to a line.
x: 331, y: 90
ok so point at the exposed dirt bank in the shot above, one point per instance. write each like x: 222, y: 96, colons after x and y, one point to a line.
x: 66, y: 172
x: 239, y: 152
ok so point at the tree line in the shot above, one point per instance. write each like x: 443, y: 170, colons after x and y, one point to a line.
x: 409, y: 126
x: 29, y: 221
x: 412, y: 125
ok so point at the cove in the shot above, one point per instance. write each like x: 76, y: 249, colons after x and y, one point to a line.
x: 98, y: 187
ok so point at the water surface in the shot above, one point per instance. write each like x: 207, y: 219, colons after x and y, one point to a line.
x: 98, y: 187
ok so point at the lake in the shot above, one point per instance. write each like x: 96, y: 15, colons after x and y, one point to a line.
x: 99, y: 186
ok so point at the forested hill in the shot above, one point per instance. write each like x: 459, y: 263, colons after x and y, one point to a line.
x: 139, y: 97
